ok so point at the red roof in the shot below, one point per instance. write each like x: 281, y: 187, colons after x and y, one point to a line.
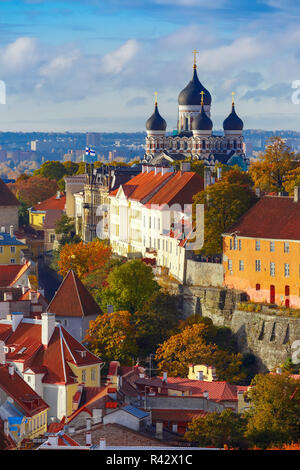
x: 217, y: 390
x: 178, y: 190
x: 176, y: 416
x: 24, y: 396
x: 143, y: 185
x: 272, y: 217
x: 53, y: 361
x: 7, y: 198
x: 53, y: 202
x: 72, y: 299
x: 9, y: 274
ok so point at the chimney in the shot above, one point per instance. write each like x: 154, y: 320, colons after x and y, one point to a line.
x: 48, y: 325
x: 296, y: 193
x: 157, y: 169
x: 257, y: 192
x: 185, y: 166
x: 206, y: 394
x: 102, y: 443
x: 8, y: 296
x: 33, y: 297
x: 2, y: 353
x: 207, y: 177
x: 159, y: 430
x: 24, y: 289
x: 219, y: 173
x: 11, y: 370
x: 58, y: 195
x: 11, y: 230
x: 165, y: 377
x: 2, y: 229
x: 16, y: 318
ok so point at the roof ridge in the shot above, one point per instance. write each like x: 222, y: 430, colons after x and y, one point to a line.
x: 78, y: 294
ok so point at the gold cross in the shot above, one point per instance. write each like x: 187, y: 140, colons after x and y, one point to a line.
x: 202, y: 93
x: 155, y: 93
x: 232, y: 94
x: 195, y: 52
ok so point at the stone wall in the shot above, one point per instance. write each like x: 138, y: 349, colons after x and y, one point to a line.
x: 268, y: 336
x: 204, y: 274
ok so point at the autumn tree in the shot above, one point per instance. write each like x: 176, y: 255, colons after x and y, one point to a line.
x: 292, y: 179
x: 112, y: 337
x: 33, y: 189
x: 270, y: 171
x: 65, y: 227
x: 217, y: 430
x: 224, y: 203
x: 129, y: 286
x: 51, y: 170
x: 83, y: 258
x: 273, y: 416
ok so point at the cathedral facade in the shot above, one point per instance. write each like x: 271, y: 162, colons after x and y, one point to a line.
x: 194, y: 136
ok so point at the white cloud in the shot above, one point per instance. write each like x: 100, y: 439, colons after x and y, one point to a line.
x: 114, y: 62
x: 20, y: 54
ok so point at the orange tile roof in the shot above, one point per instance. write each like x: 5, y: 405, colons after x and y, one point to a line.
x: 218, y: 390
x: 72, y: 299
x: 178, y: 190
x: 16, y: 387
x: 53, y: 360
x: 143, y: 185
x: 52, y: 203
x: 275, y: 217
x: 10, y: 274
x: 176, y: 416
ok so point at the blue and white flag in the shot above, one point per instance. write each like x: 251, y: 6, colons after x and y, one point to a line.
x: 90, y: 155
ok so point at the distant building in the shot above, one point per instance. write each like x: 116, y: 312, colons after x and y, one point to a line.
x: 93, y: 139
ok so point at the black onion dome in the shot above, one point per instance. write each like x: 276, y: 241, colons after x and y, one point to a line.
x: 233, y: 122
x: 202, y: 122
x: 190, y: 95
x: 156, y: 122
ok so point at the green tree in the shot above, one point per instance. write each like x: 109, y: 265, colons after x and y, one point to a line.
x: 217, y: 430
x: 224, y: 204
x: 274, y: 414
x: 51, y: 170
x: 65, y: 227
x: 129, y: 286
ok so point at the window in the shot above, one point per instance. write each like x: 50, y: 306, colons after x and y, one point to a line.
x: 166, y: 245
x: 13, y: 261
x: 158, y: 244
x: 231, y: 243
x: 158, y: 224
x: 1, y: 249
x: 272, y: 246
x: 235, y: 243
x: 12, y: 249
x: 257, y: 287
x: 240, y: 245
x: 272, y: 269
x: 257, y: 245
x: 93, y: 374
x: 286, y: 270
x: 257, y: 265
x: 83, y: 375
x: 286, y: 247
x: 230, y: 264
x: 241, y: 265
x: 287, y: 290
x: 52, y: 237
x: 150, y: 222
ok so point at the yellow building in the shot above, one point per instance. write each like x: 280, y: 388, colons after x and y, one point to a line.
x: 202, y: 372
x: 261, y: 252
x: 11, y: 249
x: 37, y: 213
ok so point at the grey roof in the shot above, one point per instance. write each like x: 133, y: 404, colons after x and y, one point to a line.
x: 190, y: 95
x: 156, y: 122
x: 233, y: 122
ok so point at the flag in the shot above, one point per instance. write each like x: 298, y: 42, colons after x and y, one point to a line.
x: 90, y: 155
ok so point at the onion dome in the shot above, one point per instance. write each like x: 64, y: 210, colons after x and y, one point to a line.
x: 156, y: 122
x: 190, y: 95
x: 202, y: 122
x: 233, y: 122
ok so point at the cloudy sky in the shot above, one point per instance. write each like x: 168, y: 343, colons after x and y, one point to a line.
x: 94, y: 65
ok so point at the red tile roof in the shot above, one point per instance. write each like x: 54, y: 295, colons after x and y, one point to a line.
x: 6, y: 442
x: 178, y: 190
x: 72, y: 299
x: 143, y: 185
x: 9, y: 274
x: 272, y: 217
x: 218, y: 390
x: 53, y: 360
x: 7, y: 198
x: 53, y: 202
x: 176, y: 416
x: 23, y: 395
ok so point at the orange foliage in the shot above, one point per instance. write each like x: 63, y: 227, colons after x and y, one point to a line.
x: 33, y: 189
x: 83, y: 258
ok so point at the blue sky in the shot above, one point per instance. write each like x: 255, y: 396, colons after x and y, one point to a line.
x: 94, y: 65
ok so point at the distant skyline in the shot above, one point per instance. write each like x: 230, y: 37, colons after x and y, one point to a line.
x: 94, y: 65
